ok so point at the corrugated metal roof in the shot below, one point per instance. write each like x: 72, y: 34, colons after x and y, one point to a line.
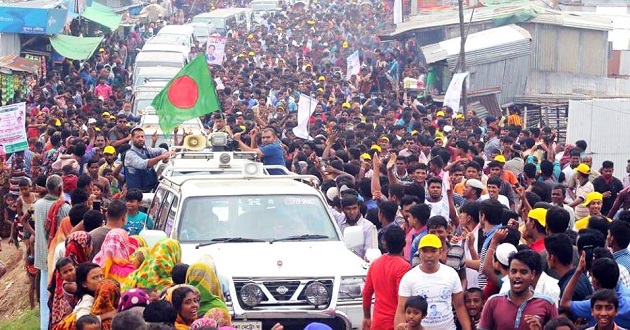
x: 17, y: 63
x: 483, y: 47
x: 546, y: 16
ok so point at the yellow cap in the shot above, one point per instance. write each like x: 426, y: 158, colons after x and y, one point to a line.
x: 345, y: 44
x: 321, y: 78
x: 251, y: 36
x: 241, y: 55
x: 439, y: 113
x: 384, y: 138
x: 109, y: 150
x: 101, y: 49
x: 112, y: 117
x: 97, y: 129
x: 105, y: 114
x: 311, y: 22
x: 583, y: 168
x: 540, y: 215
x: 499, y: 158
x: 57, y: 122
x: 251, y: 54
x: 345, y: 105
x: 459, y: 116
x: 320, y: 90
x: 593, y: 196
x: 430, y: 240
x: 415, y: 132
x: 375, y: 147
x: 366, y: 157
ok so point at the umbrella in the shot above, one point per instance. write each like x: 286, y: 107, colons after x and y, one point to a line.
x: 153, y: 11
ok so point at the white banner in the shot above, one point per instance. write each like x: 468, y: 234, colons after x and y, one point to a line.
x: 306, y: 107
x: 12, y: 128
x: 454, y: 92
x: 215, y: 50
x: 354, y: 65
x: 398, y: 15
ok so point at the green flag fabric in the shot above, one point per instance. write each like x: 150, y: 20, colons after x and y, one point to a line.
x: 191, y: 93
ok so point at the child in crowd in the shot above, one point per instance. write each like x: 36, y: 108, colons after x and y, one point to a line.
x: 10, y: 212
x: 31, y: 271
x: 474, y: 300
x: 415, y: 311
x: 135, y: 218
x: 88, y: 322
x: 66, y: 270
x: 604, y: 309
x: 113, y: 183
x: 153, y: 295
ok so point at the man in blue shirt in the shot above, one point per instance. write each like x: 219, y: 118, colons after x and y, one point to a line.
x: 135, y: 218
x: 617, y: 240
x: 271, y: 151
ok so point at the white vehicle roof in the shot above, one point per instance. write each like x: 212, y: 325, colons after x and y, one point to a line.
x: 161, y: 58
x: 176, y: 29
x: 221, y: 12
x: 242, y: 185
x: 151, y: 75
x: 150, y: 123
x: 168, y: 48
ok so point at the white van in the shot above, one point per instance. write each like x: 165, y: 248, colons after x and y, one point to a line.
x: 267, y: 8
x: 225, y: 18
x: 174, y: 59
x: 202, y: 31
x: 182, y: 33
x: 149, y: 74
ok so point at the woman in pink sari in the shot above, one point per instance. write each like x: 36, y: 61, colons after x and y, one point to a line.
x: 114, y: 256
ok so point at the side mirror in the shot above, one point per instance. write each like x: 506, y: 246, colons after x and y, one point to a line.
x: 147, y: 198
x: 353, y: 237
x: 372, y: 254
x: 152, y: 236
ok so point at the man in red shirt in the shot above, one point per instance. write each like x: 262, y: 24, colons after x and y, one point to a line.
x: 535, y: 232
x: 382, y: 281
x: 520, y: 308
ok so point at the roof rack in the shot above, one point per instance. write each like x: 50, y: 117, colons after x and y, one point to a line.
x: 308, y: 179
x: 210, y: 155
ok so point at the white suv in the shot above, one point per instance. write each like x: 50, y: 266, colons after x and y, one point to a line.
x: 273, y: 241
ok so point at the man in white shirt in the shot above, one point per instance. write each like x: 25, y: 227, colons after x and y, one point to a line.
x: 438, y: 284
x: 351, y: 216
x: 494, y: 185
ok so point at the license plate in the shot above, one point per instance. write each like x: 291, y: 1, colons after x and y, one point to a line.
x: 247, y: 325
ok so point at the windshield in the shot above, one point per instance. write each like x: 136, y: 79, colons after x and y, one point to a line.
x: 143, y: 104
x: 253, y: 217
x: 174, y: 39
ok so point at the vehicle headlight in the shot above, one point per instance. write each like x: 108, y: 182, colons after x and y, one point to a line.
x: 351, y: 287
x: 251, y: 294
x: 316, y: 293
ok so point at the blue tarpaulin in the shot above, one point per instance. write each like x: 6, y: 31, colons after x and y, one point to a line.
x: 31, y: 20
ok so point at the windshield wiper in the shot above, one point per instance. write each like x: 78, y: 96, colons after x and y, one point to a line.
x: 228, y: 240
x: 298, y: 238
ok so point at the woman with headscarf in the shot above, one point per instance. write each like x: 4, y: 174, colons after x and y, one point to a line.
x: 97, y: 296
x: 65, y: 226
x: 155, y: 271
x: 136, y: 242
x: 185, y: 299
x: 114, y: 256
x: 202, y: 277
x: 137, y: 258
x: 79, y: 247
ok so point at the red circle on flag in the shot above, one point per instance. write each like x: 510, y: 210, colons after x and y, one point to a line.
x: 183, y: 92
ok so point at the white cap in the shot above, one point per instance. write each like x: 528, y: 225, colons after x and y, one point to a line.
x: 474, y: 183
x: 503, y: 253
x: 91, y: 121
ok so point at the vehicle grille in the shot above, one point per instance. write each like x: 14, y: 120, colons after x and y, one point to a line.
x: 282, y: 292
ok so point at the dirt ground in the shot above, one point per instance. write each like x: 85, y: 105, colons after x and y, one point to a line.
x: 13, y: 285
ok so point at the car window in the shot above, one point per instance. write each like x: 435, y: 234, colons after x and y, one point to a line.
x: 253, y: 216
x: 165, y: 209
x: 170, y: 219
x: 154, y: 209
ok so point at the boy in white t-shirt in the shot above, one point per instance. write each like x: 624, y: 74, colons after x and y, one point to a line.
x: 438, y: 284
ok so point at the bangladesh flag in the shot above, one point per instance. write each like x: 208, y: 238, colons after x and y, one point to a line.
x: 190, y: 94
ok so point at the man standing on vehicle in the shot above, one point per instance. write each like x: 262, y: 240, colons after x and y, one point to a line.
x: 139, y: 162
x: 271, y: 151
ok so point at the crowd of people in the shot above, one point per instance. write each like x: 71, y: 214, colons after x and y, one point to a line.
x: 482, y: 224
